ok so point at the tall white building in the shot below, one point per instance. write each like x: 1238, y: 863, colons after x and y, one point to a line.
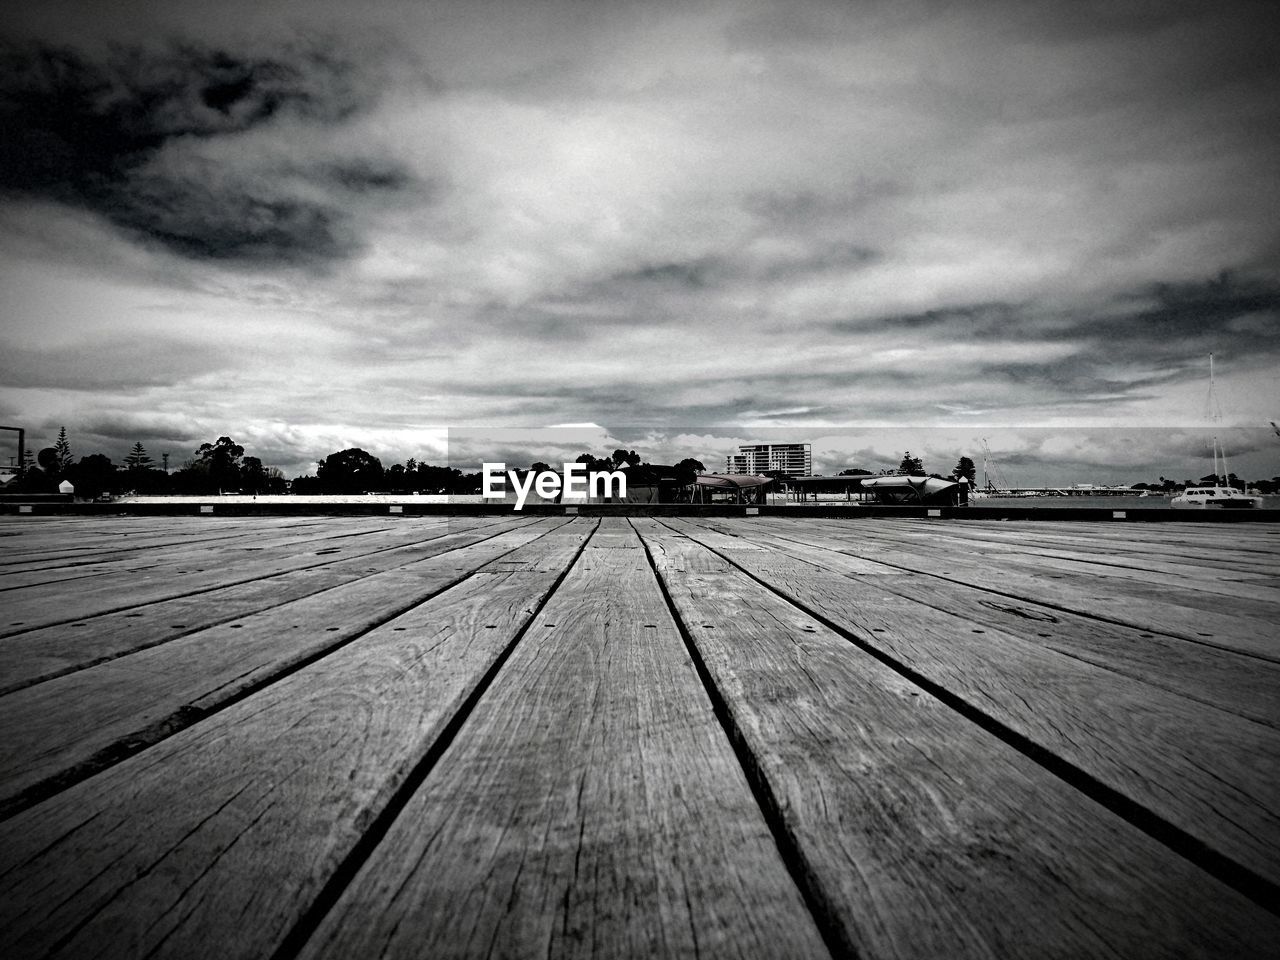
x: 792, y: 459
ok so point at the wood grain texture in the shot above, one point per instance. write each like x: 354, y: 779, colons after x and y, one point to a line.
x: 43, y: 653
x: 1238, y: 684
x: 215, y: 841
x: 1205, y: 771
x: 497, y: 785
x: 73, y: 540
x: 1199, y: 553
x: 590, y: 807
x: 1185, y: 614
x: 926, y: 835
x: 80, y: 722
x: 195, y: 570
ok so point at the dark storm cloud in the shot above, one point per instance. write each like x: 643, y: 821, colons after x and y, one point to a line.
x: 1079, y: 379
x: 738, y: 266
x: 1164, y: 311
x: 120, y: 134
x: 158, y: 435
x: 116, y: 365
x: 712, y: 400
x: 1159, y: 335
x: 984, y: 320
x: 1169, y: 315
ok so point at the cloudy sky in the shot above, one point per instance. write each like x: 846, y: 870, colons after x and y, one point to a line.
x: 436, y: 229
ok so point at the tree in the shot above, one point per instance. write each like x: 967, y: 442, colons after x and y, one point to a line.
x: 691, y: 465
x: 854, y: 472
x: 220, y: 462
x: 350, y: 471
x: 276, y: 482
x: 911, y: 466
x: 594, y: 465
x: 629, y: 457
x: 253, y: 476
x: 63, y: 449
x: 305, y: 486
x: 138, y: 458
x: 965, y: 468
x: 93, y: 476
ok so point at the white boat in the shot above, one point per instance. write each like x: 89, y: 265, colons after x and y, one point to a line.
x: 1222, y: 498
x: 1215, y: 495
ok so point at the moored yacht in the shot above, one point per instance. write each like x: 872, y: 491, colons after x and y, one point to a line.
x: 1228, y: 498
x: 1215, y: 495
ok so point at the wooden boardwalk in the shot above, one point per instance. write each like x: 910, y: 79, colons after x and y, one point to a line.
x: 516, y: 736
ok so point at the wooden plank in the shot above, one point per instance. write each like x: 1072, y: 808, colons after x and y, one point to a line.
x: 924, y: 835
x: 51, y: 605
x: 96, y: 536
x: 42, y: 654
x: 1207, y: 773
x: 213, y: 843
x: 68, y: 728
x: 1117, y: 601
x: 591, y: 806
x: 132, y: 553
x: 1220, y: 590
x: 1087, y: 546
x: 1151, y: 546
x: 236, y: 553
x: 64, y: 574
x: 1224, y: 679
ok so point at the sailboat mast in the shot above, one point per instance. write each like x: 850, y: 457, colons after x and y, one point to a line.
x: 1213, y: 416
x: 1215, y: 411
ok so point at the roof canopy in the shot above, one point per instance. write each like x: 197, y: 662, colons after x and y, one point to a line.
x: 731, y: 481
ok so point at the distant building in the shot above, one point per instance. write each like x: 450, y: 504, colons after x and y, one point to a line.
x: 791, y: 459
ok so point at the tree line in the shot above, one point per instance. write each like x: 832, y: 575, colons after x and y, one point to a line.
x: 215, y: 467
x: 221, y: 466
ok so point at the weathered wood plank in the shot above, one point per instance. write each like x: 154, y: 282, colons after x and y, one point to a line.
x: 68, y: 728
x: 215, y: 842
x: 1220, y: 589
x: 1149, y: 546
x: 64, y: 574
x: 924, y: 834
x: 133, y: 553
x: 75, y: 537
x: 45, y: 653
x: 591, y: 806
x: 1155, y: 610
x: 1224, y: 679
x: 251, y: 544
x: 1162, y: 557
x: 1207, y: 773
x: 52, y: 605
